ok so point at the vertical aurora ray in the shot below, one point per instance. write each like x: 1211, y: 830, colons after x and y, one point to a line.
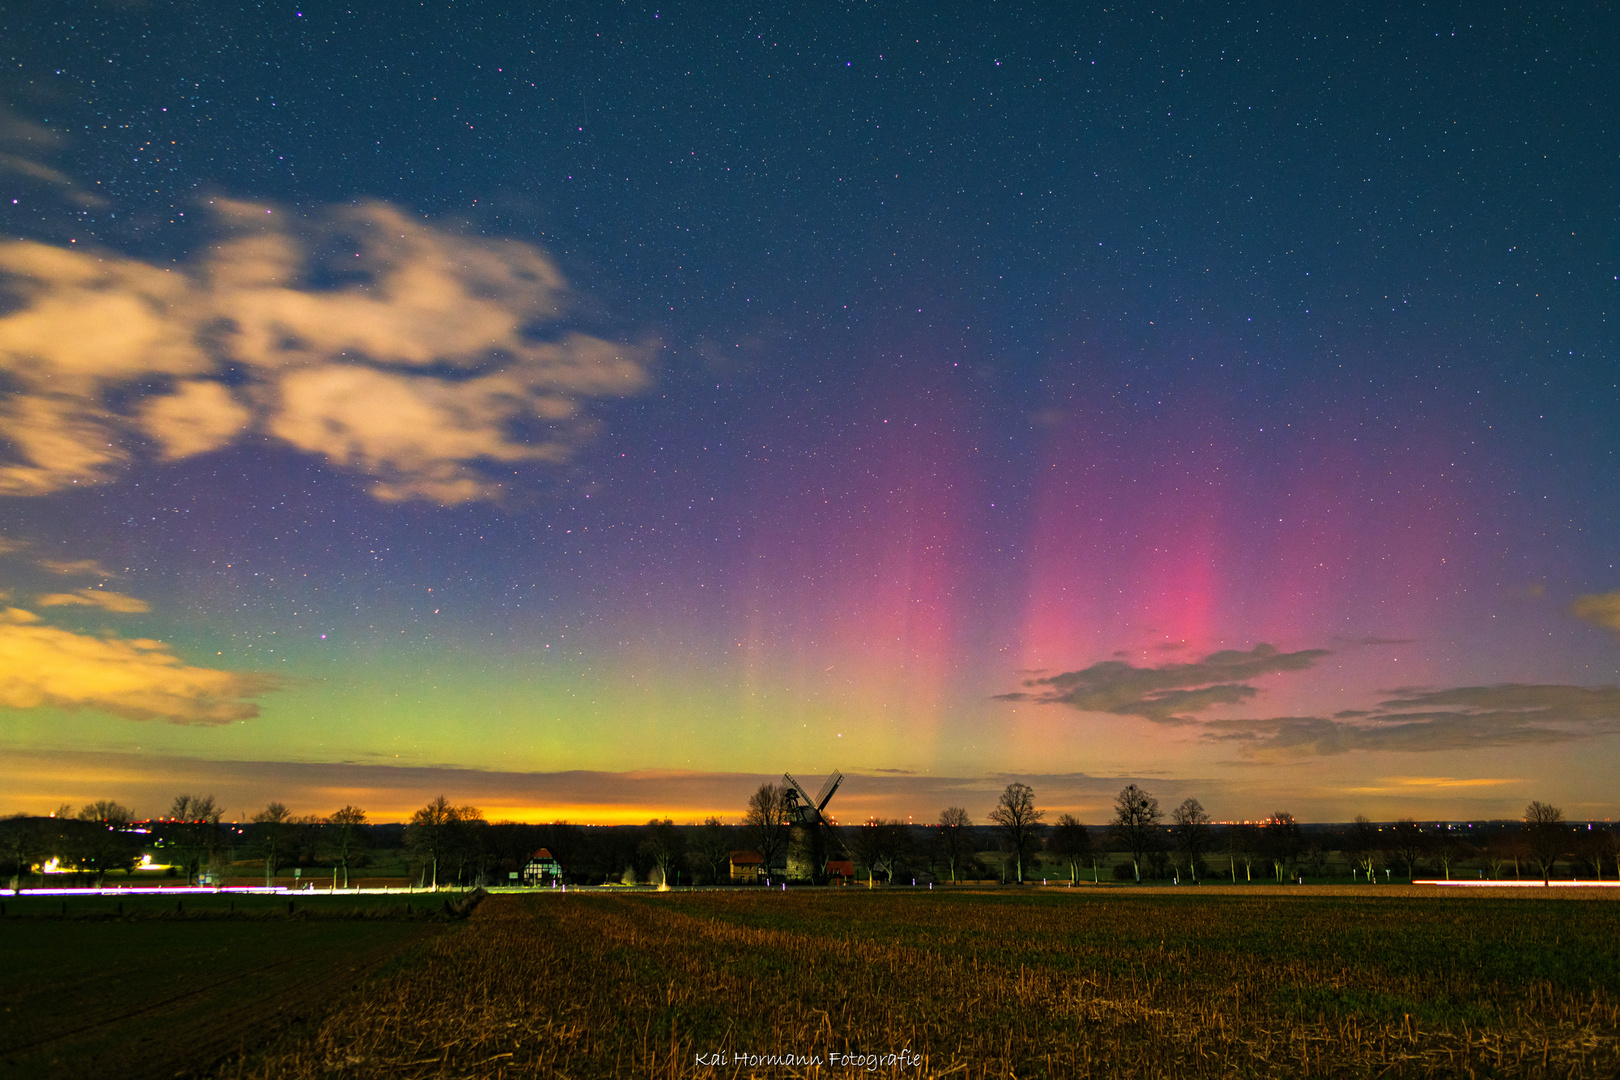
x: 859, y: 585
x: 1190, y: 535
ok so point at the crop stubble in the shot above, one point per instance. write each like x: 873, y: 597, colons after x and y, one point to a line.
x: 681, y: 985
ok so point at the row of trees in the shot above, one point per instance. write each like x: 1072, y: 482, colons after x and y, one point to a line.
x: 447, y: 843
x: 94, y: 840
x: 1141, y: 841
x: 1136, y: 831
x: 443, y: 843
x: 195, y: 841
x: 1140, y: 833
x: 102, y: 838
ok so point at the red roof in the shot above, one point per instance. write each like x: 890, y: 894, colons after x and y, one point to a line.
x: 841, y: 867
x: 746, y: 858
x: 542, y: 854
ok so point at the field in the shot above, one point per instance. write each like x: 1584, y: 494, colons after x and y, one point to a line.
x: 1083, y: 982
x: 152, y: 986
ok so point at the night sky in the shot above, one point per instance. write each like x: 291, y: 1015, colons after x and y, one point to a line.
x: 590, y: 411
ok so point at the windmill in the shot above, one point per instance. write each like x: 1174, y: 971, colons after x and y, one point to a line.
x: 810, y: 815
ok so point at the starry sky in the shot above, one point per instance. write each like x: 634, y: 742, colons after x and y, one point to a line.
x: 591, y: 410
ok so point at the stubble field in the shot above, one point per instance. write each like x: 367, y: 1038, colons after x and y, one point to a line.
x: 146, y: 986
x: 1109, y: 982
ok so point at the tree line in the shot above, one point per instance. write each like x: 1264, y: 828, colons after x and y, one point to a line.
x: 449, y: 844
x: 1141, y: 842
x: 443, y: 844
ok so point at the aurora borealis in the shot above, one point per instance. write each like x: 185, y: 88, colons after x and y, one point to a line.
x: 592, y: 411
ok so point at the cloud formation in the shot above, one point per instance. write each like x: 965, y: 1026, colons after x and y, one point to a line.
x: 75, y: 567
x: 412, y: 354
x: 110, y: 601
x: 30, y: 141
x: 1463, y: 718
x: 1169, y: 693
x: 138, y: 679
x: 25, y: 551
x: 1415, y: 720
x: 1601, y: 608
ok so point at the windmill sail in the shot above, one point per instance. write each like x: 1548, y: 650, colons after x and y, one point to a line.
x: 824, y: 796
x: 801, y: 807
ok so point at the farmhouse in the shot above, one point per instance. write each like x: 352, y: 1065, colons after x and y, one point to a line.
x: 541, y: 869
x: 840, y: 871
x: 747, y: 866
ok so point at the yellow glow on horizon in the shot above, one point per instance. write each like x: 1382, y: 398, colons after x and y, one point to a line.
x: 575, y: 813
x: 1404, y: 783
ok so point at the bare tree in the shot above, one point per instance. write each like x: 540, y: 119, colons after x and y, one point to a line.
x: 347, y: 838
x: 105, y: 844
x: 953, y: 837
x: 304, y: 841
x: 899, y: 848
x: 1315, y: 856
x: 1495, y: 853
x: 429, y: 834
x: 1071, y: 842
x: 1362, y: 845
x: 1448, y: 848
x: 106, y: 811
x: 1136, y: 824
x: 664, y: 844
x: 1192, y: 832
x: 1408, y: 843
x: 272, y: 824
x: 766, y: 825
x: 469, y: 836
x: 1597, y: 847
x: 712, y: 849
x: 866, y: 847
x: 1546, y: 835
x: 1242, y: 846
x: 1017, y: 817
x: 193, y: 830
x: 1283, y: 842
x: 878, y: 845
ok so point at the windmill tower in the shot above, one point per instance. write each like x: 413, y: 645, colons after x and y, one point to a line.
x: 810, y: 821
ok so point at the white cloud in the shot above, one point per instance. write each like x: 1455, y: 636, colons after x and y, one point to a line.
x: 92, y: 318
x: 415, y: 433
x: 422, y: 296
x: 416, y: 361
x: 58, y: 441
x: 196, y: 418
